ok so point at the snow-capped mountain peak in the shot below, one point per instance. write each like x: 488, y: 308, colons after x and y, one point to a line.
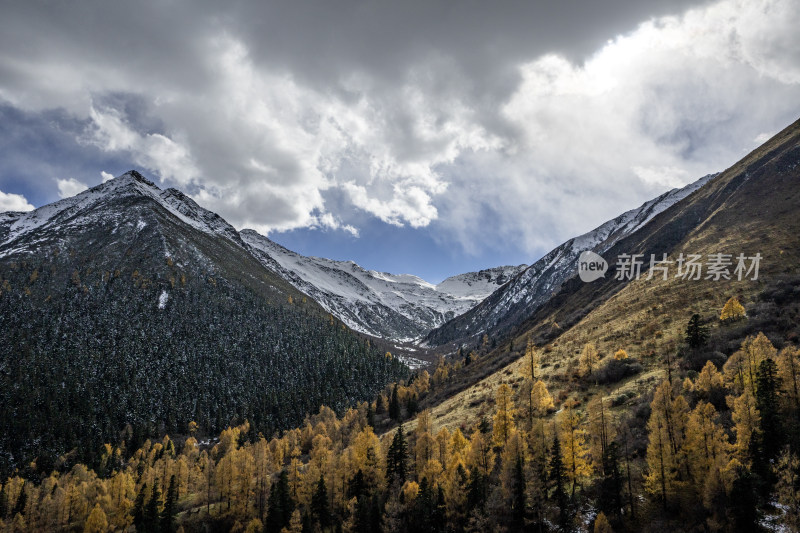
x: 86, y: 208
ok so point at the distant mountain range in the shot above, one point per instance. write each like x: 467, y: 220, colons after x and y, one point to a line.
x: 399, y: 307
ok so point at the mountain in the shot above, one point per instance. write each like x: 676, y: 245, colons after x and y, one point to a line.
x: 531, y: 288
x: 400, y: 307
x: 131, y: 307
x: 750, y: 208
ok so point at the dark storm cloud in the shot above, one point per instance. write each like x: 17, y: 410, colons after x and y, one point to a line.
x: 535, y: 119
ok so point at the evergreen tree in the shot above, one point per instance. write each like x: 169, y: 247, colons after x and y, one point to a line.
x: 281, y: 505
x: 169, y: 511
x: 152, y: 513
x: 370, y: 415
x: 319, y: 504
x: 138, y: 509
x: 3, y: 502
x: 610, y: 499
x: 396, y: 458
x: 22, y: 501
x: 476, y: 489
x: 696, y: 332
x: 394, y: 405
x: 357, y: 486
x: 744, y: 503
x: 519, y: 497
x: 767, y: 405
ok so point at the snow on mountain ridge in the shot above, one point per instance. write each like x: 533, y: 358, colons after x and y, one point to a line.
x: 395, y: 306
x: 521, y: 296
x: 82, y: 209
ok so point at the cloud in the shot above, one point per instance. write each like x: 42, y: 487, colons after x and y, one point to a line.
x: 513, y: 127
x: 106, y: 176
x: 14, y: 202
x: 70, y: 187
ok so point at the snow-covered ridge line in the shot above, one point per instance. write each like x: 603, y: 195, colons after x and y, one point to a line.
x: 535, y: 285
x: 63, y: 212
x: 394, y: 306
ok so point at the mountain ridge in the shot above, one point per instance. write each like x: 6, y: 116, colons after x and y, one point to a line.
x: 531, y: 288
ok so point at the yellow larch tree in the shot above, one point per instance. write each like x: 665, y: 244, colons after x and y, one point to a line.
x: 747, y: 421
x: 732, y: 310
x: 789, y: 373
x: 620, y: 354
x: 666, y: 433
x: 504, y: 417
x: 97, y: 521
x: 514, y: 451
x: 707, y: 380
x: 481, y: 455
x: 600, y: 431
x: 530, y: 367
x: 573, y: 447
x: 741, y: 368
x: 707, y: 447
x: 588, y: 359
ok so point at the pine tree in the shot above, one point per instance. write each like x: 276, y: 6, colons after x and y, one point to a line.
x: 519, y: 496
x: 767, y: 405
x: 152, y: 513
x: 22, y: 501
x: 610, y: 499
x: 696, y: 332
x: 3, y: 502
x: 139, y: 509
x: 319, y: 504
x: 394, y: 405
x: 169, y: 511
x: 280, y: 505
x: 396, y: 458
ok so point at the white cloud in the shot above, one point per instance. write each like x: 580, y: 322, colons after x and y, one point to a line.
x: 524, y: 153
x: 154, y: 151
x: 14, y: 202
x: 70, y: 187
x: 106, y: 176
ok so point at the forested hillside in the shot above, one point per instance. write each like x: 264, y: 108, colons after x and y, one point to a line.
x: 122, y: 320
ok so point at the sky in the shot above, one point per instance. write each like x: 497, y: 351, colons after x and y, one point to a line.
x: 427, y: 137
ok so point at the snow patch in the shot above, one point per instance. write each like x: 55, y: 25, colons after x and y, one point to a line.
x: 163, y: 299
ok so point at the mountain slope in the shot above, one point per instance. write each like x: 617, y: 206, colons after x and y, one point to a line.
x: 397, y: 307
x: 514, y: 302
x: 750, y: 208
x: 131, y: 306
